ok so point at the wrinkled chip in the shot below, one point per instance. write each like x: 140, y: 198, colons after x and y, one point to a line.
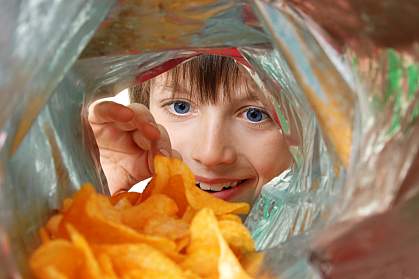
x: 98, y: 222
x: 172, y: 230
x: 53, y: 225
x: 56, y: 257
x: 195, y: 197
x: 189, y: 214
x: 182, y: 243
x: 168, y: 227
x: 91, y: 266
x: 208, y: 254
x: 132, y: 197
x: 141, y: 258
x: 44, y: 235
x: 237, y: 237
x: 122, y: 204
x: 66, y: 204
x: 252, y: 263
x: 203, y: 251
x: 230, y: 217
x: 105, y: 263
x: 154, y: 206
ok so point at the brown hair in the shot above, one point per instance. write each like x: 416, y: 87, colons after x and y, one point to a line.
x: 205, y: 74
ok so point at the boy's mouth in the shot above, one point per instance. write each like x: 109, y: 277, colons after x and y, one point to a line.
x: 218, y: 187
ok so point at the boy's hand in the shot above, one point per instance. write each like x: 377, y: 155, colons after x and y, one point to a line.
x: 128, y: 138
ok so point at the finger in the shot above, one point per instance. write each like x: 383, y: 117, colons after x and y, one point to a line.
x: 107, y: 111
x: 143, y: 142
x: 144, y: 121
x: 163, y: 144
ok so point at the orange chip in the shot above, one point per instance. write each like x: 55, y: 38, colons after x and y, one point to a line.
x: 66, y: 204
x: 160, y: 178
x: 154, y: 206
x: 53, y: 225
x: 105, y: 263
x: 237, y: 237
x: 175, y: 189
x: 208, y: 254
x: 203, y: 251
x: 230, y: 217
x: 91, y: 267
x: 252, y: 263
x: 189, y: 214
x: 129, y: 259
x: 52, y: 272
x: 172, y: 230
x: 191, y: 275
x: 87, y: 215
x: 122, y: 204
x: 168, y: 227
x: 132, y: 197
x: 166, y: 168
x: 60, y: 256
x: 228, y: 265
x: 182, y: 243
x: 44, y: 235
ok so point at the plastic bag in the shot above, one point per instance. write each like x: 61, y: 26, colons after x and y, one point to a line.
x: 351, y: 119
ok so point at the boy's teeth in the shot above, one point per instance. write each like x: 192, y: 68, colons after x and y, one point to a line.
x: 216, y: 187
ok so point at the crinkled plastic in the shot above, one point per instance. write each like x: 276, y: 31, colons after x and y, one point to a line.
x: 345, y: 88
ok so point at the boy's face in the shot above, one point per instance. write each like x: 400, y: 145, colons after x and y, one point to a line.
x: 233, y: 147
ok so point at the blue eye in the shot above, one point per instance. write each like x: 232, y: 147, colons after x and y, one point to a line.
x: 180, y: 107
x: 255, y: 115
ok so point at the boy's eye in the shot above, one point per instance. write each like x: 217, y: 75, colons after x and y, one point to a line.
x: 180, y: 107
x: 255, y: 115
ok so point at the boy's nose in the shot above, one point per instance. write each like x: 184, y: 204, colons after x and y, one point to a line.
x: 212, y: 145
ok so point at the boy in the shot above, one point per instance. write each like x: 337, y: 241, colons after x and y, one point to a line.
x: 210, y: 113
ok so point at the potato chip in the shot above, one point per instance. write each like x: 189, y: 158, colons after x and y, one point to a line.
x: 105, y: 264
x: 203, y: 251
x: 195, y: 197
x: 91, y: 267
x: 66, y: 204
x: 182, y: 243
x: 172, y: 230
x: 143, y: 258
x: 237, y: 237
x: 153, y: 207
x: 168, y: 227
x: 228, y: 265
x: 87, y: 215
x: 122, y: 204
x: 60, y: 255
x: 252, y: 263
x: 231, y: 217
x: 208, y: 254
x: 160, y: 178
x: 44, y: 235
x: 132, y: 197
x: 53, y: 225
x: 52, y: 272
x: 189, y: 214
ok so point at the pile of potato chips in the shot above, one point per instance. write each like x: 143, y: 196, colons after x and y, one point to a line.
x: 172, y: 230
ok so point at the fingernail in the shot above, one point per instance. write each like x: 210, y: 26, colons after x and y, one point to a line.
x: 164, y: 152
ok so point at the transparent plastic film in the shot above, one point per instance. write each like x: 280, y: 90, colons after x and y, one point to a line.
x: 343, y: 84
x: 39, y: 42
